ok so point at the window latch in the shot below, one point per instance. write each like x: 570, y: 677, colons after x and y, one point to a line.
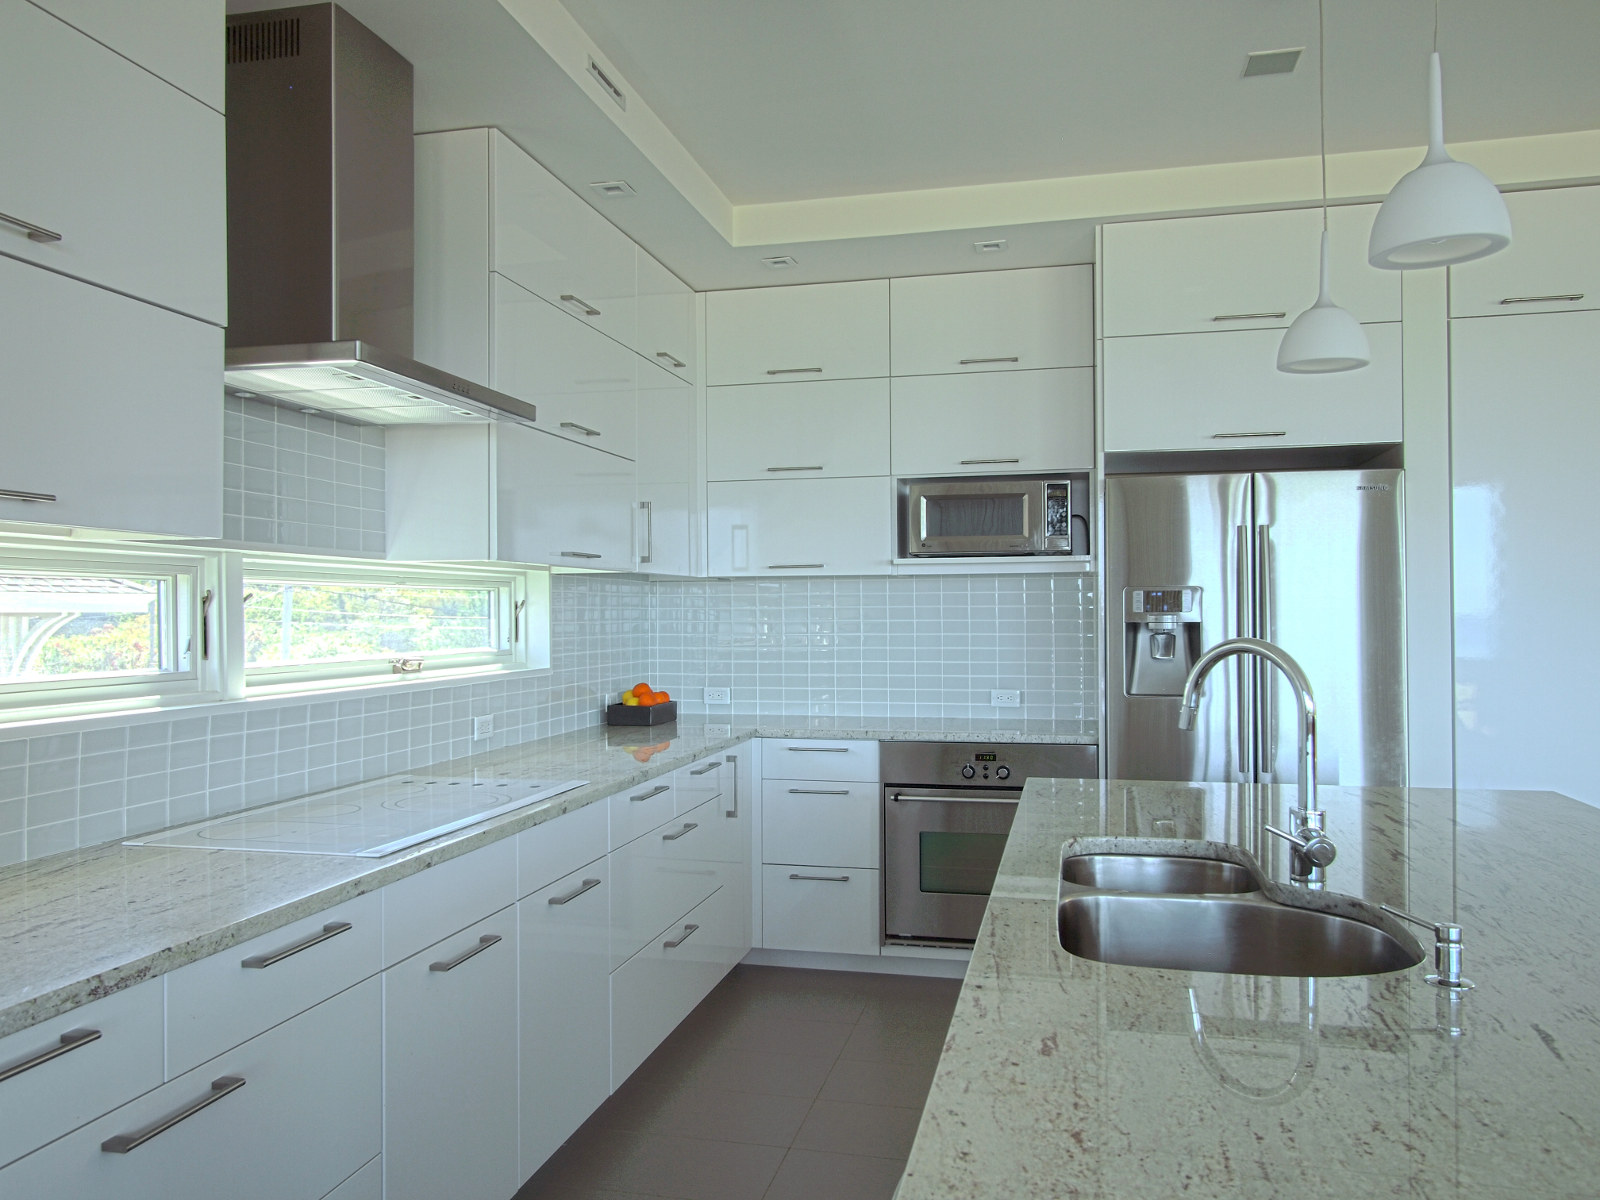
x: 406, y: 666
x: 205, y: 625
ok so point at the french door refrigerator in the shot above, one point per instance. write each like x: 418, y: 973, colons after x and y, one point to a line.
x: 1309, y: 560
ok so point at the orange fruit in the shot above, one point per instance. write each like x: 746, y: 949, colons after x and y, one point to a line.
x: 659, y: 697
x: 642, y: 690
x: 647, y: 700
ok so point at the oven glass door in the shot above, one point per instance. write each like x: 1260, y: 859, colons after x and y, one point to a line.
x: 976, y: 518
x: 942, y: 847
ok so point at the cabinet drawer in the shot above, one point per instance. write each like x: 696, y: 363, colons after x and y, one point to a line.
x: 549, y: 851
x: 803, y: 758
x: 798, y: 430
x: 701, y: 781
x: 306, y: 1118
x: 655, y: 989
x: 1238, y: 271
x: 640, y: 809
x: 60, y: 1093
x: 229, y: 997
x: 783, y: 334
x: 817, y: 821
x: 820, y: 908
x: 994, y: 423
x: 127, y: 169
x: 422, y: 908
x: 666, y: 872
x: 1552, y: 264
x: 1225, y: 392
x: 1023, y: 320
x: 784, y: 527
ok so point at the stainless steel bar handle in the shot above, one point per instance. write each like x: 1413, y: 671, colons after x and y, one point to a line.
x: 655, y: 791
x: 819, y: 791
x: 818, y: 749
x: 821, y: 878
x: 36, y: 497
x: 733, y: 791
x: 649, y: 555
x: 124, y: 1142
x: 962, y: 797
x: 797, y: 371
x: 1263, y: 316
x: 776, y: 470
x: 36, y: 233
x: 1253, y: 434
x: 484, y: 943
x: 1571, y: 297
x: 969, y: 362
x: 579, y: 554
x: 69, y: 1041
x: 672, y: 358
x: 980, y: 462
x: 674, y: 943
x: 588, y: 885
x: 1244, y: 703
x: 589, y: 310
x: 796, y: 566
x: 583, y: 429
x: 1267, y: 709
x: 688, y: 826
x: 259, y: 962
x: 707, y: 769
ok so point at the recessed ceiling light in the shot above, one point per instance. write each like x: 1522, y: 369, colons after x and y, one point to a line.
x: 780, y: 262
x: 1272, y: 62
x: 992, y: 246
x: 613, y: 188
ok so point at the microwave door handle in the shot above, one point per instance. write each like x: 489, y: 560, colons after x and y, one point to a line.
x: 922, y: 519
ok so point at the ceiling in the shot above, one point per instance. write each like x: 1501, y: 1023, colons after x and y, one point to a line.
x: 883, y: 137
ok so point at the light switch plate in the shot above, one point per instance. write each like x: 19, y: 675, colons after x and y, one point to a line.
x: 1005, y: 699
x: 719, y: 696
x: 482, y: 727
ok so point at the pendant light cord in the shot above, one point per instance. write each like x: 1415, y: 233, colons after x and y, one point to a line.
x: 1322, y: 105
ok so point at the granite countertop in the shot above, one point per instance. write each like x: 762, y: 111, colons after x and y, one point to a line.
x: 1065, y: 1077
x: 80, y: 925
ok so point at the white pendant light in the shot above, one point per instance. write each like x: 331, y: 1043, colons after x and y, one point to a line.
x: 1442, y: 212
x: 1324, y: 338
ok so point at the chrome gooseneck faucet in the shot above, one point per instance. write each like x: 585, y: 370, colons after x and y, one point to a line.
x: 1311, y: 850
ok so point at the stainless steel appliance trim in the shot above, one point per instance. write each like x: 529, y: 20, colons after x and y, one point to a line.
x: 36, y: 497
x: 451, y: 964
x: 1243, y: 628
x: 588, y: 309
x: 36, y: 233
x: 259, y: 962
x: 588, y: 885
x: 1569, y: 296
x: 796, y: 371
x: 1266, y: 675
x: 821, y: 878
x: 674, y: 943
x: 688, y: 827
x: 1029, y: 539
x: 969, y: 362
x: 583, y: 429
x: 776, y: 470
x: 819, y: 791
x: 672, y: 358
x: 69, y: 1041
x: 1261, y: 316
x: 655, y: 791
x: 221, y: 1086
x: 955, y: 796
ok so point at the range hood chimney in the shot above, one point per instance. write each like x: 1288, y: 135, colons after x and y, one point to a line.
x: 320, y: 201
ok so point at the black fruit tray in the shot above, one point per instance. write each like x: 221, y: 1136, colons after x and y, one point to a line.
x: 639, y: 714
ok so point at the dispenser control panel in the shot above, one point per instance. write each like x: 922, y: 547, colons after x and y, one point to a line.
x: 1179, y: 601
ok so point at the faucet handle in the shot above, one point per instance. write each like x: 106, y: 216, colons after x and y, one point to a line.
x: 1317, y: 848
x: 1447, y: 949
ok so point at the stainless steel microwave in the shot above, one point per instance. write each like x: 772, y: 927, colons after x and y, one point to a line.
x: 950, y: 518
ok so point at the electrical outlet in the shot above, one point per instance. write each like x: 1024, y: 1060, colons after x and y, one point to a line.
x: 482, y: 727
x: 1005, y: 699
x: 719, y: 696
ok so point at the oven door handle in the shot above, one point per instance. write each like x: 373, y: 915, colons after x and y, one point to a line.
x: 952, y: 797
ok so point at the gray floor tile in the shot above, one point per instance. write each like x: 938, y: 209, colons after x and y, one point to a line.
x: 784, y: 1035
x: 753, y: 1071
x: 859, y: 1081
x: 702, y: 1112
x: 814, y: 1175
x: 693, y: 1168
x: 877, y: 1130
x: 897, y: 1043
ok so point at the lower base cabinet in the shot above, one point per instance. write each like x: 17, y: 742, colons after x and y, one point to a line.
x: 450, y: 1067
x: 288, y: 1115
x: 365, y: 1184
x: 827, y: 909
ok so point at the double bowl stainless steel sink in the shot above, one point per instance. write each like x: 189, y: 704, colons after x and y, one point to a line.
x: 1204, y: 906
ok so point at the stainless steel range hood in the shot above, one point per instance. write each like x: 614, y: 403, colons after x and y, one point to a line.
x: 320, y: 200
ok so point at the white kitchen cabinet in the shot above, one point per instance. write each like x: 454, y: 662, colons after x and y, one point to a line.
x: 175, y: 40
x: 1225, y: 392
x: 547, y: 852
x: 1238, y: 271
x: 450, y: 1066
x: 74, y: 1067
x: 701, y: 781
x: 807, y: 758
x: 365, y: 1184
x: 785, y: 334
x: 826, y: 909
x: 1552, y: 264
x: 126, y: 169
x: 812, y: 821
x: 421, y: 909
x: 113, y: 409
x: 668, y: 526
x: 638, y: 810
x: 827, y: 429
x: 997, y: 422
x: 800, y: 527
x: 1030, y: 319
x: 667, y: 331
x: 564, y: 1004
x: 660, y: 875
x: 287, y: 1115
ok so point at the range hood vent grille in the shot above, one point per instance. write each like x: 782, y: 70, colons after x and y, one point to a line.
x: 259, y: 41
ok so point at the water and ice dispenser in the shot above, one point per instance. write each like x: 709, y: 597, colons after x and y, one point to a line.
x: 1161, y: 628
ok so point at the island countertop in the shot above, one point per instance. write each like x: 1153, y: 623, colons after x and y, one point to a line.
x: 1066, y: 1077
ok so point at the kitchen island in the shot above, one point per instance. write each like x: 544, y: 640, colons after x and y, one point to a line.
x: 1066, y: 1077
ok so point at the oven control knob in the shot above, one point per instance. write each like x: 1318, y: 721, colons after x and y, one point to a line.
x: 1002, y: 772
x: 967, y: 772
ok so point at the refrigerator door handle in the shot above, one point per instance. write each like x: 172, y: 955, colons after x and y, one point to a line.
x: 1245, y: 662
x: 1267, y: 707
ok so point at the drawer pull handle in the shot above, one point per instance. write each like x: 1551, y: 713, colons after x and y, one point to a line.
x: 1259, y: 433
x: 583, y: 429
x: 712, y: 766
x: 36, y: 497
x: 672, y: 358
x: 579, y: 554
x: 1572, y: 297
x: 1274, y: 316
x: 36, y: 233
x: 70, y: 1041
x: 589, y: 310
x: 588, y: 885
x: 823, y: 878
x: 332, y: 929
x: 978, y: 462
x: 124, y: 1142
x: 776, y: 470
x: 484, y: 943
x: 795, y: 566
x: 972, y: 362
x: 818, y: 749
x: 797, y: 371
x: 819, y: 791
x: 655, y: 791
x: 672, y: 837
x: 674, y: 943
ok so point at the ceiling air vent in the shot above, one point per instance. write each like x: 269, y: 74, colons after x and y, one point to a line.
x: 259, y: 41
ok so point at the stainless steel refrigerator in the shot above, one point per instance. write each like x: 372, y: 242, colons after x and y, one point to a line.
x: 1309, y: 560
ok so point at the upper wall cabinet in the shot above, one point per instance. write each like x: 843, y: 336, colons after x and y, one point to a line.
x: 783, y: 334
x: 111, y: 175
x: 1552, y: 264
x: 1240, y: 271
x: 666, y: 318
x: 994, y: 423
x: 669, y: 536
x: 992, y: 321
x: 836, y: 427
x: 175, y: 40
